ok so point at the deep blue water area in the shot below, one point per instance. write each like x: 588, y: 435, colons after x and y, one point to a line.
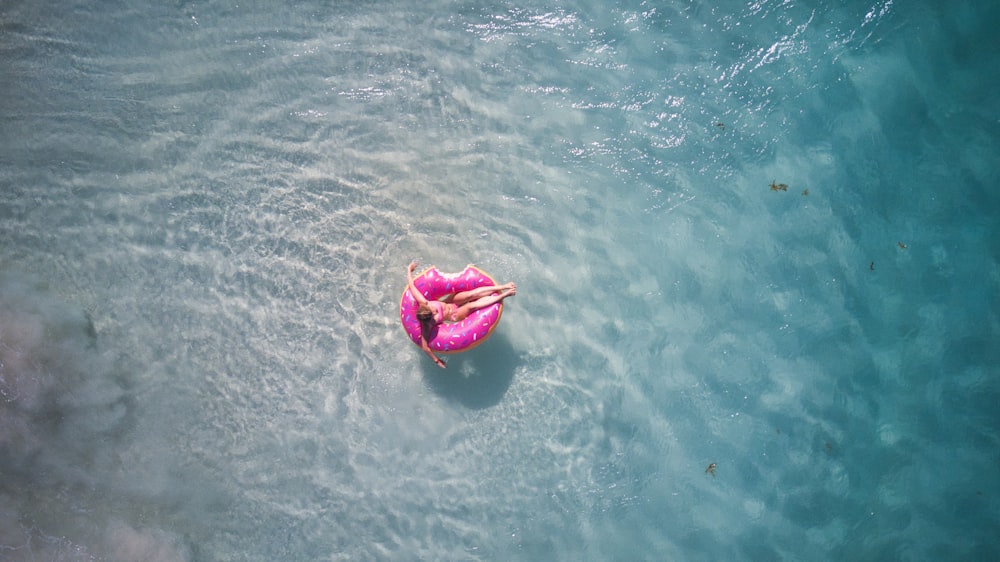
x: 755, y: 246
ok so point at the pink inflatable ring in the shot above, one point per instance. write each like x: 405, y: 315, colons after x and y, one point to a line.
x: 450, y: 337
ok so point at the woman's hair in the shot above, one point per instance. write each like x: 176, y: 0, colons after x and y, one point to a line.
x: 424, y: 313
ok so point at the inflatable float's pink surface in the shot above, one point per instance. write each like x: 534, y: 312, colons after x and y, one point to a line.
x: 450, y: 337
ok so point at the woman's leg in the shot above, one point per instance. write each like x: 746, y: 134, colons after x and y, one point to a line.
x: 479, y: 292
x: 470, y: 307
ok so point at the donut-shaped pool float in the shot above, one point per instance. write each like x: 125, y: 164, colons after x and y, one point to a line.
x: 450, y: 337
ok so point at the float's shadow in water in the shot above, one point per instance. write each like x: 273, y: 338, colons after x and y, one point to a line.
x: 477, y: 378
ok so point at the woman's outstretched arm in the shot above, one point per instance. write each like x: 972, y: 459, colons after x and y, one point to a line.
x: 437, y: 360
x: 413, y: 288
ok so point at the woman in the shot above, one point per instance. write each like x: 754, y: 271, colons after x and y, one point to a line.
x: 453, y: 309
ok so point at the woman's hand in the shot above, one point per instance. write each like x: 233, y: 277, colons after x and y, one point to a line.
x: 430, y: 353
x: 413, y: 265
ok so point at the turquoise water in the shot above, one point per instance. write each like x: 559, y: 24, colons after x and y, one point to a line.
x: 208, y: 209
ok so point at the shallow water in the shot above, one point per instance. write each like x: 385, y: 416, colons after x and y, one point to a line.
x: 208, y: 210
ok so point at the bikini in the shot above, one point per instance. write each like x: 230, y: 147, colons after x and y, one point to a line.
x: 439, y: 311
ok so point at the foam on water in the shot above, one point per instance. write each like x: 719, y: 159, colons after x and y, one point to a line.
x: 221, y: 201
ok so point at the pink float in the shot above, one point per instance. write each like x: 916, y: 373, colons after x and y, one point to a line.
x: 450, y: 337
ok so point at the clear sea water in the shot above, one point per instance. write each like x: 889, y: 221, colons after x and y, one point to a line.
x: 207, y: 209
